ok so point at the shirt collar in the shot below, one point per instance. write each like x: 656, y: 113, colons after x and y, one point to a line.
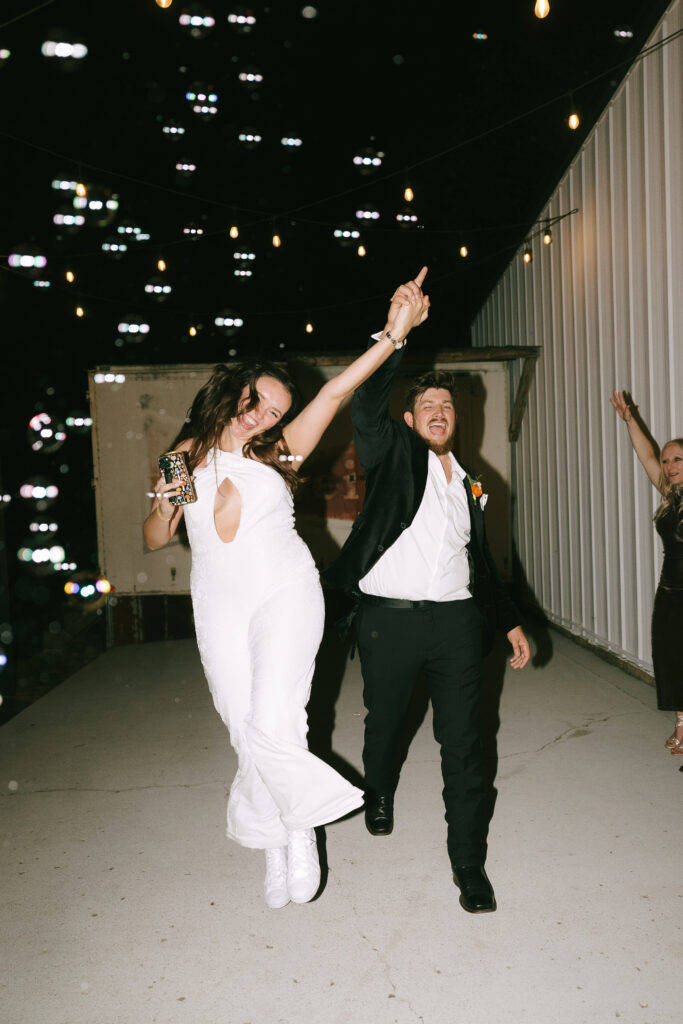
x: 455, y: 465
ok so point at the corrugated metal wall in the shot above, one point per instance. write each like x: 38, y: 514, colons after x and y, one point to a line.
x: 604, y: 302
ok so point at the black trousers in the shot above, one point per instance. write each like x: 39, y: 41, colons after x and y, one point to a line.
x: 445, y: 641
x: 667, y: 622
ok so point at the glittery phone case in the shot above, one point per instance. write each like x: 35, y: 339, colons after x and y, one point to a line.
x: 173, y: 466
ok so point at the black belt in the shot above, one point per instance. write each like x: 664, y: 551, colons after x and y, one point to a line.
x: 399, y: 602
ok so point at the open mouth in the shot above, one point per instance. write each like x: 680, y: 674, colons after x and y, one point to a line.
x: 246, y: 423
x: 437, y: 427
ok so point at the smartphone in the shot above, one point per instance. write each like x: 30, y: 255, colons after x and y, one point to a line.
x: 173, y: 466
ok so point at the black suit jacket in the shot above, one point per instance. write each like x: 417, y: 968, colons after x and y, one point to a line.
x: 394, y: 459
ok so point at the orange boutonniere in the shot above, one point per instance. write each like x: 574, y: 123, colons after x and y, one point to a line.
x: 477, y: 491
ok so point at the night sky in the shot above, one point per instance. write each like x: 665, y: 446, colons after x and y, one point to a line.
x: 477, y: 128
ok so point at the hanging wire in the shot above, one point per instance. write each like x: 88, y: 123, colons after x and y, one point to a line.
x: 263, y: 217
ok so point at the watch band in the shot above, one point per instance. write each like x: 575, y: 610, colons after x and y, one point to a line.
x: 394, y: 341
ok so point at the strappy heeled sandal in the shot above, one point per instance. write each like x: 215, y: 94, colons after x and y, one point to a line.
x: 674, y: 742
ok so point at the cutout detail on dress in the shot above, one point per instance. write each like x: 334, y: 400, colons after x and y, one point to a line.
x: 227, y: 510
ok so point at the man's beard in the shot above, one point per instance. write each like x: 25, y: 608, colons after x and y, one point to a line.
x: 441, y: 447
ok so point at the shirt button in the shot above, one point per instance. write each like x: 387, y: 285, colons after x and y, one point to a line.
x: 404, y: 526
x: 380, y: 547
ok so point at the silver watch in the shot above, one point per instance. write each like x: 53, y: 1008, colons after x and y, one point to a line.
x: 394, y: 341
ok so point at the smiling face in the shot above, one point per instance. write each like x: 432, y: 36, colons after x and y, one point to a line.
x: 672, y: 463
x: 434, y: 419
x: 273, y: 402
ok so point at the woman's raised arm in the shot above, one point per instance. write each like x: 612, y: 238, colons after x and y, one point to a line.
x: 640, y: 441
x: 409, y: 308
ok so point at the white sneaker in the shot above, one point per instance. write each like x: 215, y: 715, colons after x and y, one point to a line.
x: 303, y: 869
x: 275, y: 885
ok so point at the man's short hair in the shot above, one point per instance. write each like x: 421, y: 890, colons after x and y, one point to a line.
x: 433, y: 379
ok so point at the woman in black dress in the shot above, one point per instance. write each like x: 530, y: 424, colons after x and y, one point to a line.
x: 666, y: 473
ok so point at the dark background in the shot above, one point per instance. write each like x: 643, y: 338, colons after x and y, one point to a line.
x: 478, y: 130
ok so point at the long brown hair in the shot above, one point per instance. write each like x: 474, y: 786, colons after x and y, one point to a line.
x: 672, y: 494
x: 216, y: 403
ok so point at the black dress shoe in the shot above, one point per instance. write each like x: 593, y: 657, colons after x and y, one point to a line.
x: 476, y: 892
x: 379, y: 814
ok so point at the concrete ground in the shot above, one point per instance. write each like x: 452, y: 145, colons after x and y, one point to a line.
x: 124, y: 903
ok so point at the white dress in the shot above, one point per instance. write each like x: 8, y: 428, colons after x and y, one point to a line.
x: 259, y: 614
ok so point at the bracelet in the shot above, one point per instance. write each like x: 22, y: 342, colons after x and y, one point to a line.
x: 394, y: 341
x: 163, y: 518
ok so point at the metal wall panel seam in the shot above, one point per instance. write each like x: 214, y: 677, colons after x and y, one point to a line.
x: 635, y: 160
x: 672, y: 58
x: 601, y: 545
x: 618, y: 253
x: 556, y: 420
x: 605, y: 353
x: 590, y: 279
x: 578, y: 609
x: 626, y: 497
x: 556, y: 345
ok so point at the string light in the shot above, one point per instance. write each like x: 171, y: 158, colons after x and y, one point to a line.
x: 277, y: 241
x: 234, y: 231
x: 70, y: 276
x: 164, y: 3
x: 573, y: 121
x: 161, y: 265
x: 409, y: 195
x: 81, y: 190
x: 526, y: 255
x: 80, y: 311
x: 542, y: 8
x: 547, y: 235
x: 309, y: 328
x: 361, y: 250
x: 463, y: 251
x: 192, y: 332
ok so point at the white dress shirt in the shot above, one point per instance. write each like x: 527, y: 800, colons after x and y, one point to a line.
x: 429, y: 560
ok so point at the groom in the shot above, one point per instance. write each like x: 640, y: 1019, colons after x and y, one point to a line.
x: 429, y: 599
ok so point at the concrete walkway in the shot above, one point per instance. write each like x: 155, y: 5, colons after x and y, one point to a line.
x: 123, y: 903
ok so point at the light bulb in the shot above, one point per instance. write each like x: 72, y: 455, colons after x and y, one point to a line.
x: 547, y: 236
x: 409, y: 195
x: 463, y: 251
x: 81, y: 190
x: 70, y: 276
x: 309, y: 328
x: 361, y: 250
x: 526, y: 255
x: 234, y: 231
x: 277, y: 241
x: 192, y: 332
x: 573, y: 121
x: 164, y: 3
x: 542, y: 8
x: 80, y: 311
x: 161, y: 264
